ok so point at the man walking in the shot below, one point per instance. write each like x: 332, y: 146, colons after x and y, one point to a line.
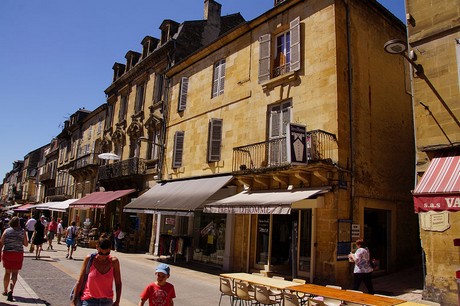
x: 30, y: 227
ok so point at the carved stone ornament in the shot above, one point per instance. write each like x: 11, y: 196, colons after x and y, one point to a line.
x: 135, y: 129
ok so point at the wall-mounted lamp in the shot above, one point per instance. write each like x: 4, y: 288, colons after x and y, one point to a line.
x: 398, y: 46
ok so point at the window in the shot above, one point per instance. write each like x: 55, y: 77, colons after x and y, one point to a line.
x: 139, y: 97
x: 158, y: 91
x: 109, y: 118
x: 183, y: 94
x: 123, y: 108
x: 280, y: 116
x: 178, y: 149
x: 214, y: 140
x: 153, y: 151
x: 286, y: 56
x: 218, y: 78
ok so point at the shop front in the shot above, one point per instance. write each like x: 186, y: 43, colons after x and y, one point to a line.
x: 179, y: 229
x: 280, y: 229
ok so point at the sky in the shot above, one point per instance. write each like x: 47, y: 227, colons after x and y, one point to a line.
x: 57, y: 56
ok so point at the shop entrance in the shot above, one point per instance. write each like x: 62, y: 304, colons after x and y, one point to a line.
x: 284, y: 243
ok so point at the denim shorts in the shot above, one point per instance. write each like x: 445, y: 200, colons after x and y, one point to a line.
x: 97, y: 302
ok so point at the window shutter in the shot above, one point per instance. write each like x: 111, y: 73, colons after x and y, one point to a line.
x: 275, y: 122
x: 178, y: 149
x: 295, y: 44
x: 264, y: 58
x: 215, y: 140
x: 158, y: 93
x: 221, y: 77
x: 183, y: 94
x: 139, y: 98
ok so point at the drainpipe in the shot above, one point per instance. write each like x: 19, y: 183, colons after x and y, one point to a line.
x: 350, y: 109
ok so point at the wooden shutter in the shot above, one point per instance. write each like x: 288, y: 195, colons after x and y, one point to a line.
x: 221, y: 77
x: 275, y: 118
x: 158, y: 93
x: 215, y: 140
x: 264, y: 58
x: 183, y: 94
x: 295, y: 44
x: 178, y: 149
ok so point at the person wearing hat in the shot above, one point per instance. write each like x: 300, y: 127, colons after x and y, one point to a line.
x: 161, y: 292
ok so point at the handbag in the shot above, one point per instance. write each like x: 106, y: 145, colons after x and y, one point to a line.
x: 85, y: 278
x: 31, y: 248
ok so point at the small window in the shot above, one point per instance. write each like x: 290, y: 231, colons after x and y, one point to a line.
x: 178, y: 149
x: 123, y: 108
x: 214, y: 140
x: 158, y: 91
x: 218, y: 81
x: 139, y: 98
x: 183, y: 94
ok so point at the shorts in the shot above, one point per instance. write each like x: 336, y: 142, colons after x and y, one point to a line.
x: 97, y: 302
x: 51, y: 235
x: 12, y: 260
x: 69, y: 242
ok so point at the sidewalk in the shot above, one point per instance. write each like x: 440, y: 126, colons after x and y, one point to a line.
x: 23, y: 294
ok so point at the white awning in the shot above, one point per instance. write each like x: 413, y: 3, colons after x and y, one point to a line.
x: 177, y: 197
x: 268, y: 201
x: 55, y: 206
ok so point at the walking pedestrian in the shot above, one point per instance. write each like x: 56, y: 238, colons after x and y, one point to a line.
x: 363, y: 268
x: 103, y: 272
x: 52, y: 229
x: 12, y: 242
x: 30, y: 227
x: 60, y: 231
x: 71, y: 239
x: 161, y: 292
x: 38, y: 238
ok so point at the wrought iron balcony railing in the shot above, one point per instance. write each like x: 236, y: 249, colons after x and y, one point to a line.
x: 132, y: 166
x: 321, y: 146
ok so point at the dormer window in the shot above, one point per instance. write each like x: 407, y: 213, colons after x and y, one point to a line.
x: 132, y: 58
x: 277, y: 2
x: 118, y: 70
x: 148, y: 45
x: 168, y: 29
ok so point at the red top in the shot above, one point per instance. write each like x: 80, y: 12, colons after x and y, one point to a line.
x: 98, y: 285
x: 52, y: 227
x: 159, y: 295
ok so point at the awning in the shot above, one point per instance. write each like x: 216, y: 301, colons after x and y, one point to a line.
x: 268, y: 201
x: 100, y: 198
x: 24, y: 208
x: 55, y: 206
x: 61, y: 206
x: 177, y: 197
x: 439, y: 187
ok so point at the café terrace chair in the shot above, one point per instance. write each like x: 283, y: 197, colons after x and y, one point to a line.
x: 332, y: 302
x: 303, y: 297
x: 263, y: 296
x: 226, y: 289
x: 313, y: 302
x: 244, y: 294
x: 290, y: 299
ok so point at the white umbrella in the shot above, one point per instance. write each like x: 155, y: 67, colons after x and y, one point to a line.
x: 109, y: 156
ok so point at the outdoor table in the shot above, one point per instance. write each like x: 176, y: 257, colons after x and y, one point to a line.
x: 260, y: 280
x: 344, y: 295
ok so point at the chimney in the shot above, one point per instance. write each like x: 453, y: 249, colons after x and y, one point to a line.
x: 212, y: 11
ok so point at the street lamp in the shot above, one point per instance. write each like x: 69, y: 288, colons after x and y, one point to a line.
x: 398, y: 46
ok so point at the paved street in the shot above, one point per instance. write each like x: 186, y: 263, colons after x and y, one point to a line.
x: 48, y: 281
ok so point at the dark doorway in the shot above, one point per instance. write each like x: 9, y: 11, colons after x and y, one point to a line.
x: 376, y: 235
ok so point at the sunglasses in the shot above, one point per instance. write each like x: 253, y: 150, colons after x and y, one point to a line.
x: 103, y: 254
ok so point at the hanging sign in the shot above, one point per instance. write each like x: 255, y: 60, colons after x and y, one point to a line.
x: 296, y: 144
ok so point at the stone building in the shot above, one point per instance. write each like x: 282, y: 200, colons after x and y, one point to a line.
x: 434, y: 51
x: 286, y: 139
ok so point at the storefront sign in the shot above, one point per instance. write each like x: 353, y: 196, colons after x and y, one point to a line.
x: 440, y: 203
x: 296, y: 143
x: 170, y: 221
x: 434, y: 221
x: 355, y: 231
x: 207, y: 229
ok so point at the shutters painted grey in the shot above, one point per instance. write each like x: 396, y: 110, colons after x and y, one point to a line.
x: 218, y: 80
x: 295, y: 44
x: 215, y: 140
x: 183, y: 94
x: 178, y: 149
x: 264, y: 58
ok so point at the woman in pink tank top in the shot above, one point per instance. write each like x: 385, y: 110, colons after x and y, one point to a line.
x: 104, y: 270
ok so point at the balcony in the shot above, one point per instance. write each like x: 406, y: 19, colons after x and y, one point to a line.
x: 86, y: 162
x: 321, y: 146
x: 47, y: 176
x: 129, y: 167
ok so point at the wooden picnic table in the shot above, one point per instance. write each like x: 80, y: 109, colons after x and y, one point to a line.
x: 260, y: 280
x: 345, y: 295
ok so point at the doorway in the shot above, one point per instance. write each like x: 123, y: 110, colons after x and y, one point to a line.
x: 376, y: 235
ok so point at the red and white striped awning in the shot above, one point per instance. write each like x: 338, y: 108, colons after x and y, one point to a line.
x: 439, y: 187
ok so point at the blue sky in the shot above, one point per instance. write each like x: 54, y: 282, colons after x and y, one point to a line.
x: 56, y: 57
